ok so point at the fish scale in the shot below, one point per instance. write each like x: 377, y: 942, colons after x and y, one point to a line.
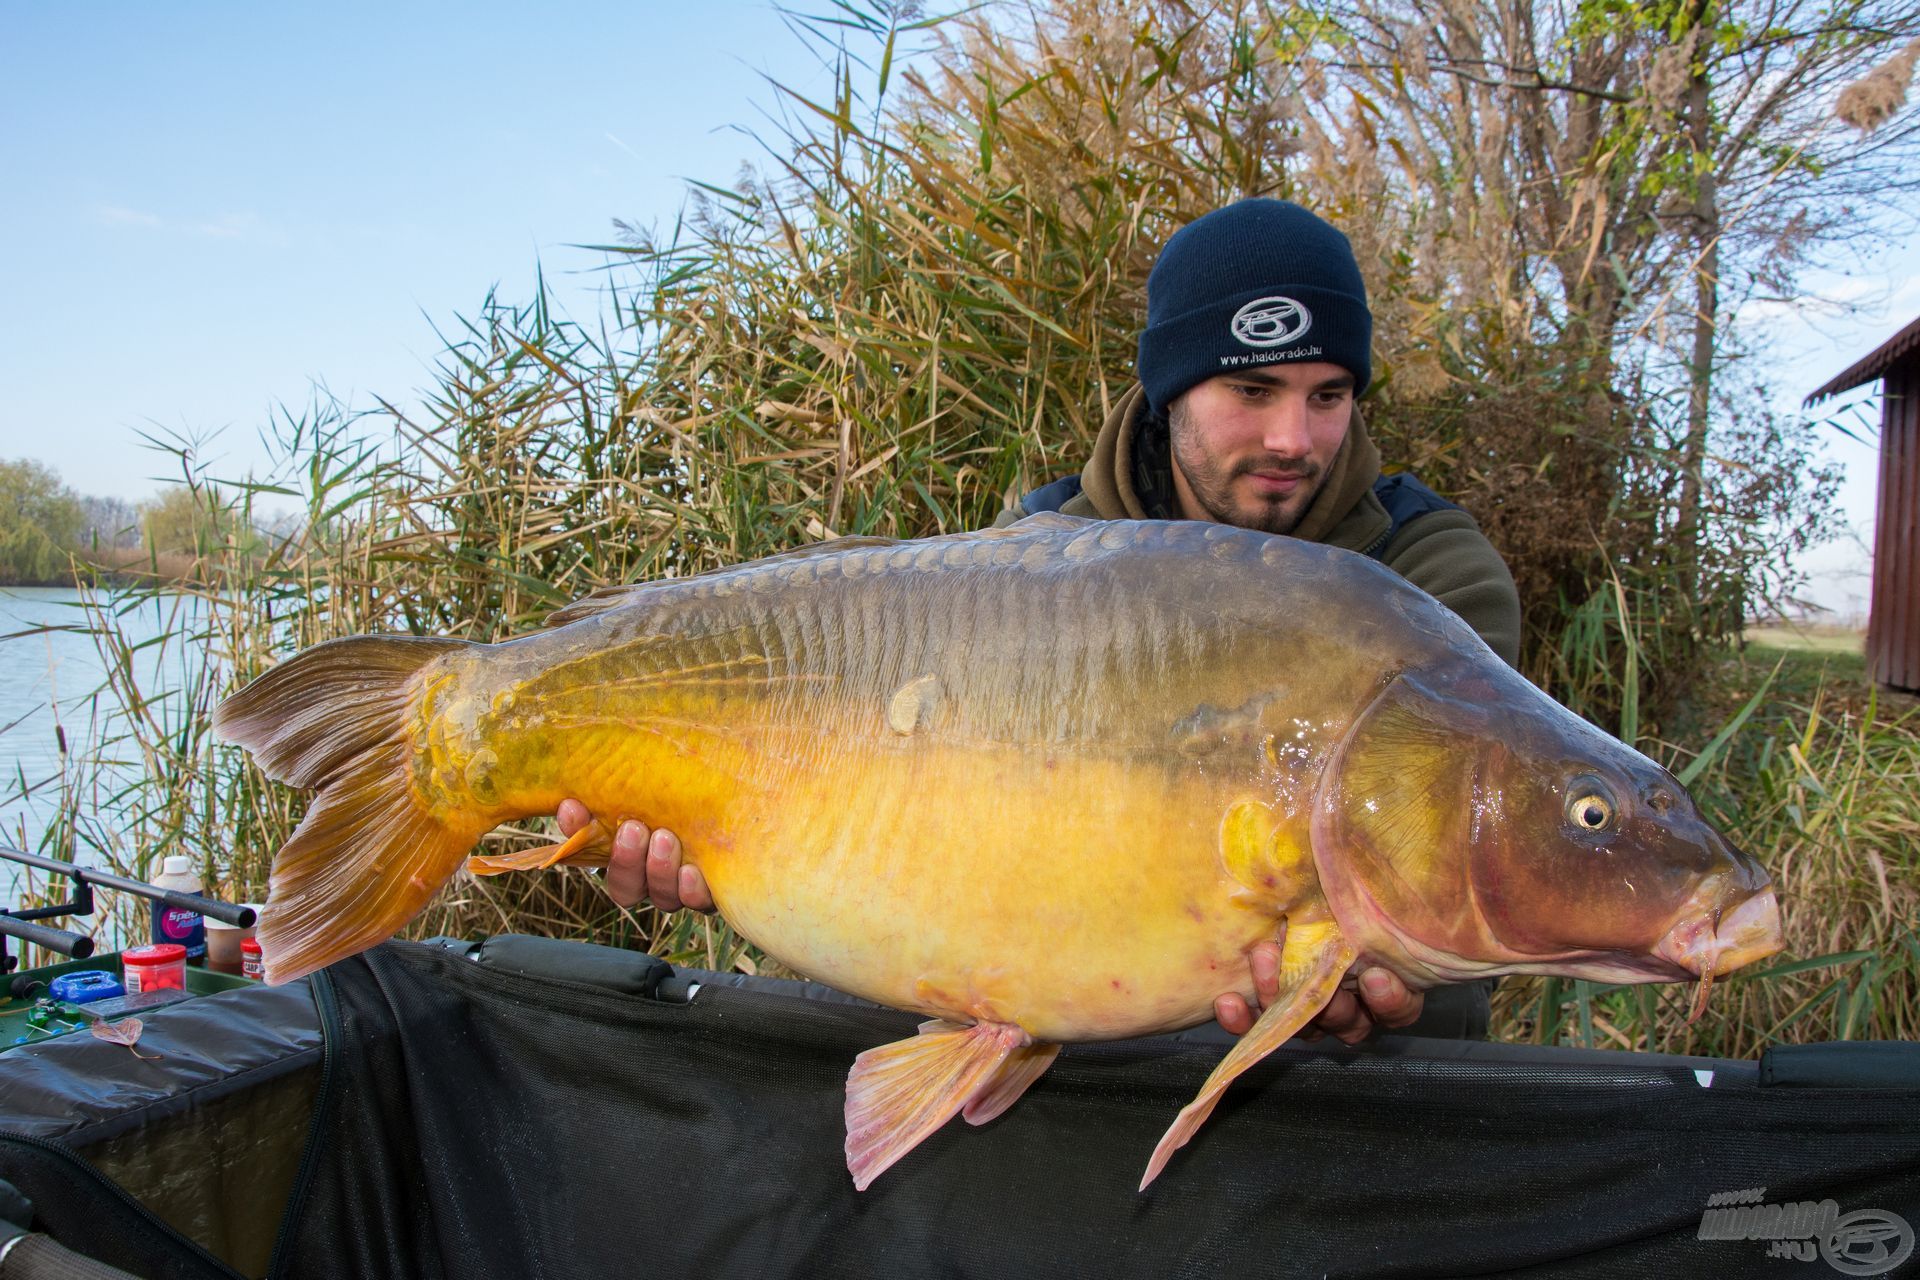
x: 1042, y: 784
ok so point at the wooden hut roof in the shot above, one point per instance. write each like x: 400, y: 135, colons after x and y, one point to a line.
x: 1872, y: 365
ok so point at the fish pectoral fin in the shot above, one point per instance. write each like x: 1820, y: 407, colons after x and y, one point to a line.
x: 1015, y: 1076
x: 590, y: 846
x: 900, y: 1093
x: 1312, y: 961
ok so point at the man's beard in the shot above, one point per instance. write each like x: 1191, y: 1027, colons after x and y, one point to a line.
x: 1212, y: 484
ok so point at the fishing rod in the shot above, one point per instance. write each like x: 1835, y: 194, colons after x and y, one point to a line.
x: 19, y: 922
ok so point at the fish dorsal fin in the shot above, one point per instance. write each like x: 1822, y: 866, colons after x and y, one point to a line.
x: 601, y: 601
x: 607, y: 599
x: 852, y: 542
x: 1045, y: 520
x: 1313, y: 959
x: 898, y: 1094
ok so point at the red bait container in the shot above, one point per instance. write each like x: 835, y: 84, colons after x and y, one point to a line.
x: 159, y: 967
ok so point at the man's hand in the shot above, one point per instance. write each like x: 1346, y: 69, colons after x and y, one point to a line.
x: 1349, y: 1017
x: 646, y: 864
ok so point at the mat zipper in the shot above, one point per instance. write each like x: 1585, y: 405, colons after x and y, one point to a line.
x: 166, y: 1229
x: 326, y: 1006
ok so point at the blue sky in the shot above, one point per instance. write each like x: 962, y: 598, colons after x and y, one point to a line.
x: 214, y: 207
x: 1868, y: 301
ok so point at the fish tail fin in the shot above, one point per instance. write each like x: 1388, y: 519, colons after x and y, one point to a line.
x: 368, y: 854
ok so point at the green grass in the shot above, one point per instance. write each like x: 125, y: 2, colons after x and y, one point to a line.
x: 1809, y: 637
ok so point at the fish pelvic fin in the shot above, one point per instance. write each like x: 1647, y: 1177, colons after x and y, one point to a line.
x: 1312, y: 960
x: 1015, y: 1076
x: 898, y: 1094
x: 368, y: 855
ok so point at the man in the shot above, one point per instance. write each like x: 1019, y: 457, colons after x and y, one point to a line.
x: 1257, y: 344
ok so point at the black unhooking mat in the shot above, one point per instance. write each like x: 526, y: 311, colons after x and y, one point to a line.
x: 496, y: 1120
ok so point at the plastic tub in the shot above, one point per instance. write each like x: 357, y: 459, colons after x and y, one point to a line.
x: 154, y: 968
x: 223, y: 945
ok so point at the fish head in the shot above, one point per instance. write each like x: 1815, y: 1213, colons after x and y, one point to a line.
x: 1468, y: 825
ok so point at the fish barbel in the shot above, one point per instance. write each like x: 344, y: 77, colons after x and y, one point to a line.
x: 1042, y: 784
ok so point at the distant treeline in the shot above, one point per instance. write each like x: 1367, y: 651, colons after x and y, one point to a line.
x: 50, y: 535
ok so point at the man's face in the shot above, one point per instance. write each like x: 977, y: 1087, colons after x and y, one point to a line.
x: 1251, y: 449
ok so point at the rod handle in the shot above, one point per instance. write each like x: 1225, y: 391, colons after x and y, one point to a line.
x: 77, y: 945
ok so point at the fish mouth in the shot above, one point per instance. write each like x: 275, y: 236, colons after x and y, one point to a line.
x: 1724, y: 942
x: 1707, y: 946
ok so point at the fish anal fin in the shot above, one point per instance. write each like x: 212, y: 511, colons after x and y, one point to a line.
x: 590, y: 846
x: 1312, y: 961
x: 498, y: 864
x: 898, y: 1094
x: 1015, y: 1076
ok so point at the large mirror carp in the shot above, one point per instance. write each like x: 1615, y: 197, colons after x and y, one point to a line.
x: 1042, y: 784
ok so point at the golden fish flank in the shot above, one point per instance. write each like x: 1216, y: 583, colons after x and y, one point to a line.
x: 1042, y: 784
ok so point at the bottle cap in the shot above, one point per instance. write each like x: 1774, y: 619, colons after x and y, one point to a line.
x: 177, y: 864
x: 250, y: 945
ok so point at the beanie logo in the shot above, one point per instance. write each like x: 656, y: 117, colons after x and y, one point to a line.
x: 1271, y: 322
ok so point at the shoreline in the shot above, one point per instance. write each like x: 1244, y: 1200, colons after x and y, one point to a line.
x: 130, y: 567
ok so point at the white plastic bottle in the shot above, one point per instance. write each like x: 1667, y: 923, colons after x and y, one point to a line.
x: 178, y: 924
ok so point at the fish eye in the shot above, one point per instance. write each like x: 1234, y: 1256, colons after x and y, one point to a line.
x: 1589, y: 807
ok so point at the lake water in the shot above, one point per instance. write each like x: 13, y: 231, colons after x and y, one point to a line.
x: 50, y: 681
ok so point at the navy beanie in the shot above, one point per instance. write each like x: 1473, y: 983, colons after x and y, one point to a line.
x: 1258, y: 282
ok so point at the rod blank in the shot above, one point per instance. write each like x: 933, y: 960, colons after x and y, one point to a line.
x: 225, y: 911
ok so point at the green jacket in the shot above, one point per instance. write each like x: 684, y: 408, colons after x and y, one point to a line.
x: 1441, y: 552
